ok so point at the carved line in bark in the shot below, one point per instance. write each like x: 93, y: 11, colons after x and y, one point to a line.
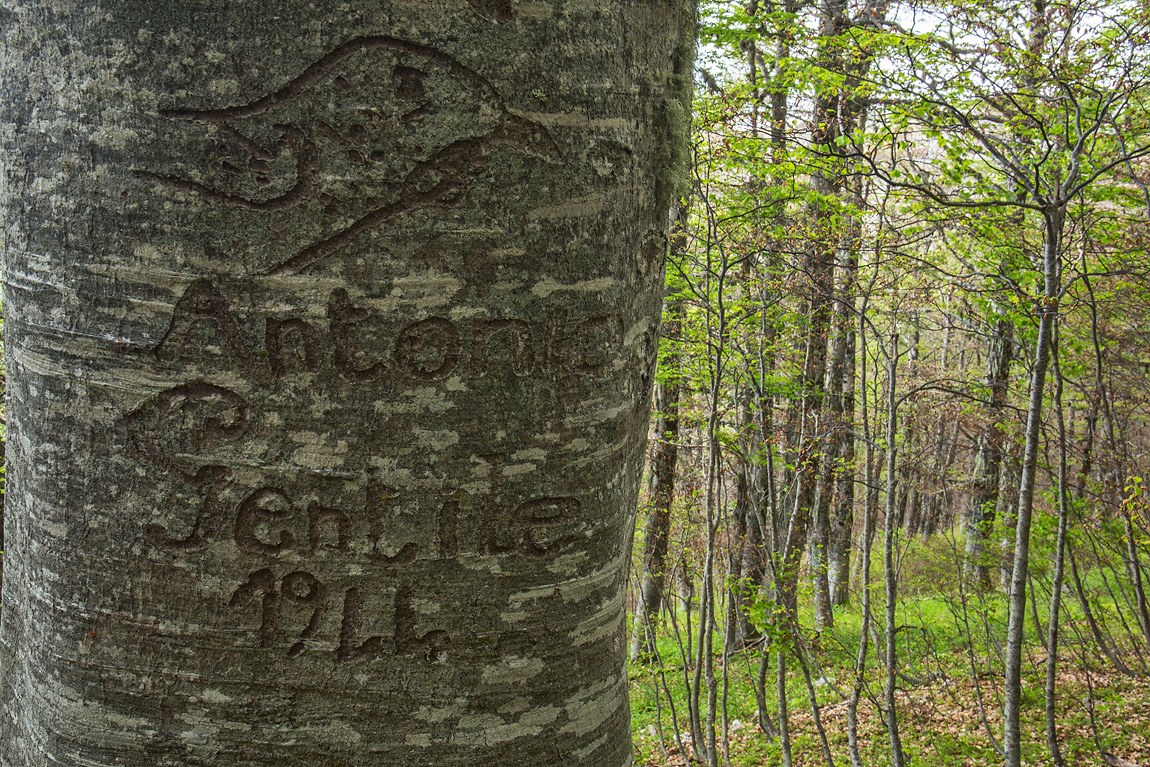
x: 493, y: 10
x: 441, y: 179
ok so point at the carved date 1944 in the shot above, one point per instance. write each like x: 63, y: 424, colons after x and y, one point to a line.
x: 305, y: 590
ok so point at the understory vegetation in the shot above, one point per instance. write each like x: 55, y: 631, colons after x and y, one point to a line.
x: 949, y: 690
x: 896, y: 509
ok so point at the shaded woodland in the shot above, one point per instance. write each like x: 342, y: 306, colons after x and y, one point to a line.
x: 901, y: 434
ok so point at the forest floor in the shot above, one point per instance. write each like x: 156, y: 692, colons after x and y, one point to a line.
x: 1099, y: 709
x: 939, y: 718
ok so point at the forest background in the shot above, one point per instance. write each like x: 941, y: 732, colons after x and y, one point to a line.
x: 897, y: 508
x: 896, y: 511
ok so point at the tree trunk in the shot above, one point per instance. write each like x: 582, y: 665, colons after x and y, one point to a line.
x: 658, y: 531
x: 909, y: 469
x: 1058, y: 571
x: 831, y: 469
x: 656, y: 539
x: 330, y: 344
x: 842, y: 517
x: 753, y: 572
x: 818, y: 266
x: 814, y: 476
x: 746, y: 549
x: 1048, y: 308
x: 890, y: 576
x: 988, y: 458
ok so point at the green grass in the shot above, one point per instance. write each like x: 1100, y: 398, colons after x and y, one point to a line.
x: 936, y: 703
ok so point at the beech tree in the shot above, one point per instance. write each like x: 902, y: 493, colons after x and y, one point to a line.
x: 330, y: 345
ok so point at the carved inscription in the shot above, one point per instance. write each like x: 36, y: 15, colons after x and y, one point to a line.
x: 319, y: 517
x: 267, y: 504
x: 518, y: 345
x: 535, y: 528
x: 429, y: 349
x: 530, y: 530
x: 431, y: 646
x: 375, y: 129
x: 209, y: 482
x: 299, y: 588
x: 267, y: 523
x: 343, y: 320
x: 266, y: 519
x: 412, y: 128
x: 193, y: 417
x: 193, y: 431
x: 202, y: 317
x: 292, y: 345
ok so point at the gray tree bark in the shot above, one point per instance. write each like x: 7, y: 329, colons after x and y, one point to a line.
x: 890, y: 576
x: 1054, y: 218
x: 330, y: 342
x: 988, y: 458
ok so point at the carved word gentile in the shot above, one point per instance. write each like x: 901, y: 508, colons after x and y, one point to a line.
x: 428, y: 349
x: 266, y: 522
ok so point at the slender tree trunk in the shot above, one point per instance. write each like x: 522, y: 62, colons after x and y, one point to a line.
x: 758, y: 418
x: 829, y: 470
x: 658, y: 531
x: 836, y: 485
x: 706, y: 744
x: 1048, y: 309
x: 1057, y: 577
x: 716, y: 337
x: 784, y: 714
x: 940, y: 498
x: 908, y: 498
x: 890, y: 576
x: 821, y: 442
x: 869, y: 516
x: 296, y: 479
x: 842, y: 518
x: 854, y: 113
x: 780, y: 92
x: 748, y: 561
x: 744, y: 547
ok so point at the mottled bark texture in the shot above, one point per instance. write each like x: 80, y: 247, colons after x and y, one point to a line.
x: 330, y: 335
x: 988, y: 458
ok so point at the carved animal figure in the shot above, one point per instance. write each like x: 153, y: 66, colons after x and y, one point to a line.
x: 376, y: 128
